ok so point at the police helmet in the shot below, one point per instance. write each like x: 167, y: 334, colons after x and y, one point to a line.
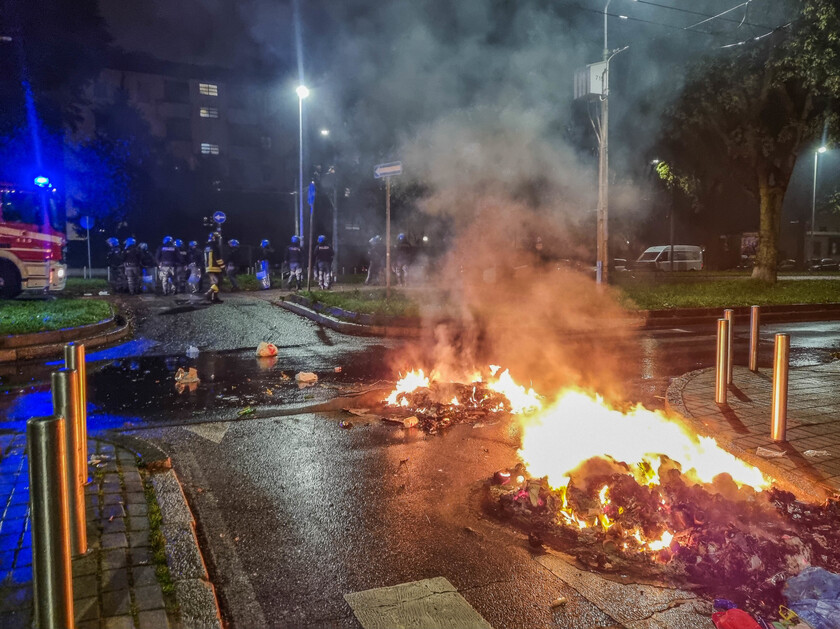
x: 143, y: 246
x: 193, y: 244
x: 211, y: 236
x: 179, y: 243
x: 130, y: 242
x: 233, y: 242
x: 401, y: 237
x: 113, y: 242
x: 295, y: 240
x: 322, y: 239
x: 167, y: 240
x: 264, y: 244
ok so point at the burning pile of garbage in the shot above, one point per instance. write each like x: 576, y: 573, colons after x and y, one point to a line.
x: 637, y: 493
x: 436, y: 403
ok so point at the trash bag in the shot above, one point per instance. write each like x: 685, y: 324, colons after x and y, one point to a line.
x: 305, y: 379
x: 814, y: 594
x: 186, y: 377
x: 266, y: 349
x: 192, y: 352
x: 734, y: 619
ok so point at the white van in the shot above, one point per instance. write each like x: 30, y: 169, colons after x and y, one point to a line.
x: 658, y: 258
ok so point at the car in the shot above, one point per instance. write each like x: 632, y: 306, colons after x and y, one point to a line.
x: 686, y: 258
x: 823, y: 264
x: 786, y: 265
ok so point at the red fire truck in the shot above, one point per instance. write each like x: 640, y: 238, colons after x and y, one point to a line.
x: 32, y: 238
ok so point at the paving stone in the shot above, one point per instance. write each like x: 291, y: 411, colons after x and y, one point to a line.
x: 137, y: 510
x: 17, y: 619
x: 88, y: 624
x: 114, y: 540
x: 131, y: 475
x: 135, y: 497
x: 115, y: 603
x: 114, y: 559
x: 148, y: 597
x: 86, y: 608
x: 153, y: 619
x: 144, y: 575
x: 15, y: 598
x: 85, y: 585
x: 117, y: 525
x: 141, y: 556
x: 138, y: 523
x: 113, y: 510
x: 113, y: 499
x: 113, y: 580
x: 119, y: 622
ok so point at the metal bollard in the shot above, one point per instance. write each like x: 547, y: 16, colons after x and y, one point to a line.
x: 722, y: 360
x: 781, y: 360
x: 755, y: 323
x: 729, y: 315
x: 74, y: 358
x: 65, y: 395
x: 48, y: 508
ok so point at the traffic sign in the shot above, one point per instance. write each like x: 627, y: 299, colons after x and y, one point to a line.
x: 310, y: 197
x: 387, y: 170
x: 219, y: 217
x: 86, y: 222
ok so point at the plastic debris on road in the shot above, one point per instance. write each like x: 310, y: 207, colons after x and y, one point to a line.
x: 734, y: 619
x: 816, y: 453
x: 558, y: 602
x: 814, y: 594
x: 767, y: 453
x: 246, y: 411
x: 192, y: 351
x: 187, y: 377
x: 265, y: 350
x: 345, y: 424
x: 410, y: 422
x: 305, y: 379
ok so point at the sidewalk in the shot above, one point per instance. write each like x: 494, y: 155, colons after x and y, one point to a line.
x: 117, y: 584
x: 743, y: 424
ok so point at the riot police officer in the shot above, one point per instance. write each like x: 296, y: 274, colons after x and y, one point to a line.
x: 376, y: 259
x: 180, y: 267
x: 213, y: 264
x: 147, y: 267
x: 195, y: 263
x: 294, y: 258
x: 402, y: 259
x: 114, y: 258
x: 131, y: 266
x: 263, y: 265
x: 234, y: 262
x: 323, y: 262
x: 167, y: 259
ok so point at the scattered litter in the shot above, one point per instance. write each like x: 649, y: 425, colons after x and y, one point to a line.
x: 269, y: 392
x: 816, y: 453
x: 265, y: 350
x: 305, y: 379
x: 359, y: 412
x: 88, y: 294
x: 338, y: 369
x: 345, y: 424
x: 814, y: 594
x: 248, y: 410
x: 768, y: 453
x: 284, y: 376
x: 98, y: 459
x: 734, y: 619
x: 410, y: 422
x: 186, y: 377
x: 559, y: 602
x: 192, y: 351
x: 266, y: 363
x: 722, y: 604
x: 103, y: 293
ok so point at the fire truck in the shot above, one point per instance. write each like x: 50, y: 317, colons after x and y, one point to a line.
x: 32, y: 238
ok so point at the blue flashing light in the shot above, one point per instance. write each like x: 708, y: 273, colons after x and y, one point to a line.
x: 42, y: 181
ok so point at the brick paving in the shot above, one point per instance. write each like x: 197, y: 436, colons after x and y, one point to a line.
x: 114, y: 584
x: 813, y: 417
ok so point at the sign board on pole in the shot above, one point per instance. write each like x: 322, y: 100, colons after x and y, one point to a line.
x: 219, y: 217
x: 310, y: 197
x: 387, y: 170
x: 86, y: 222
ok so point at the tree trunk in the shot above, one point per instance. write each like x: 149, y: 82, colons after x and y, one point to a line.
x: 771, y: 197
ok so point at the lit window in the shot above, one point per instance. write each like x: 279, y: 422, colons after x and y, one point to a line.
x: 208, y: 89
x: 209, y: 149
x: 209, y: 112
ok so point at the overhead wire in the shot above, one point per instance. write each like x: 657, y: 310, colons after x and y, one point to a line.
x: 742, y: 22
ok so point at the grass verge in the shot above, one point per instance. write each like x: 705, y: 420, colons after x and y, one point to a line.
x: 24, y: 317
x: 76, y: 287
x: 370, y: 301
x: 726, y: 294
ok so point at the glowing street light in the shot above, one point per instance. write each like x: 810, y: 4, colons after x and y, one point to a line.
x: 817, y: 154
x: 325, y: 132
x: 302, y: 91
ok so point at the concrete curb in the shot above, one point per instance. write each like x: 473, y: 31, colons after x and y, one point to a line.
x: 194, y: 592
x: 55, y: 336
x: 803, y: 487
x: 345, y: 327
x: 771, y: 314
x: 56, y: 348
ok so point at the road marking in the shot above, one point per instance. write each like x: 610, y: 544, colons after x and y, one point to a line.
x: 212, y: 431
x: 633, y: 605
x: 427, y: 604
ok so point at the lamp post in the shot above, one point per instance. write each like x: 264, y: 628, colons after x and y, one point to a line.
x: 325, y: 133
x: 817, y: 154
x: 302, y: 92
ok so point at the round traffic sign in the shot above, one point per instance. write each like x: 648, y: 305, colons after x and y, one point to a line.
x: 219, y: 217
x: 86, y: 222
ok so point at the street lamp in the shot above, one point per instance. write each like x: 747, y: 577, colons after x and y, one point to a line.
x: 302, y: 92
x: 817, y: 154
x: 325, y: 132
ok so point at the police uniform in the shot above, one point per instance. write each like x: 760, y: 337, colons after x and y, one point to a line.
x: 131, y: 264
x: 402, y: 260
x: 114, y: 258
x: 167, y: 259
x: 294, y: 258
x: 233, y: 263
x: 263, y: 267
x: 195, y: 264
x: 376, y: 257
x: 323, y: 263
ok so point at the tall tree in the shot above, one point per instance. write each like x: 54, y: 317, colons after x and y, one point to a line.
x: 751, y: 109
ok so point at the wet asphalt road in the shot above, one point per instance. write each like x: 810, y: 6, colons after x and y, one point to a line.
x: 295, y: 511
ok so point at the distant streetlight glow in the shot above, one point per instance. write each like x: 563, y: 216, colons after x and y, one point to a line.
x: 302, y: 91
x: 822, y: 149
x: 42, y: 182
x: 325, y: 131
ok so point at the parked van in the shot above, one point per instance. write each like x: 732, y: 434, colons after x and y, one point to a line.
x: 658, y: 258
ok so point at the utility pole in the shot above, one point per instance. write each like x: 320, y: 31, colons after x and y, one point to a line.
x: 335, y: 227
x: 602, y: 264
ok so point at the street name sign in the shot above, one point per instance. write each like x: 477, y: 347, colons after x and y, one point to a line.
x: 387, y: 170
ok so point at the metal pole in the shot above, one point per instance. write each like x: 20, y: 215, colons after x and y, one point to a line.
x: 48, y: 506
x: 335, y: 226
x: 755, y: 323
x: 309, y: 268
x: 65, y: 396
x: 781, y: 359
x: 300, y: 167
x: 387, y: 237
x: 671, y: 229
x: 729, y: 315
x: 810, y: 251
x: 603, y: 172
x: 88, y: 248
x: 74, y: 358
x: 721, y: 361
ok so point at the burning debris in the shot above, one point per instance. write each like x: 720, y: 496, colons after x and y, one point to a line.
x: 433, y: 404
x: 637, y: 493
